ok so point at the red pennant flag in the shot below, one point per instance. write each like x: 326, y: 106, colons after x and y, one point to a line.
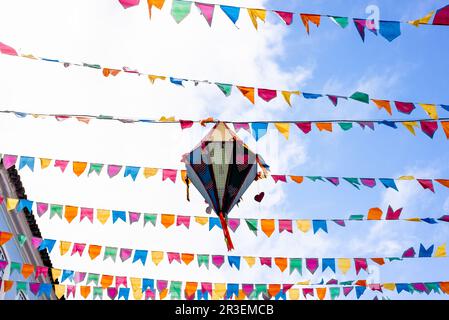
x: 185, y: 124
x: 426, y: 184
x: 267, y: 94
x: 404, y: 107
x: 429, y: 127
x: 392, y: 214
x: 305, y: 127
x: 287, y: 17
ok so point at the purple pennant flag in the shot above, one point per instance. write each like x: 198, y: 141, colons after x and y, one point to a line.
x: 332, y: 282
x: 113, y: 170
x: 347, y: 290
x: 34, y: 288
x: 3, y: 265
x: 419, y: 287
x: 134, y: 217
x: 360, y: 25
x: 36, y: 242
x: 340, y: 222
x: 368, y: 124
x: 312, y: 264
x: 334, y: 180
x: 286, y: 287
x: 161, y: 285
x: 409, y: 253
x: 112, y: 292
x: 368, y: 182
x: 444, y: 218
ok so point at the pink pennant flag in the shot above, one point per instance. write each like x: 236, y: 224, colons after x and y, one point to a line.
x: 34, y: 288
x: 150, y: 294
x: 277, y: 178
x: 87, y: 213
x: 307, y: 291
x: 61, y: 164
x: 429, y: 127
x: 392, y: 214
x: 173, y: 256
x: 409, y: 253
x: 40, y: 270
x: 161, y: 285
x: 206, y: 287
x: 375, y: 287
x: 9, y: 160
x: 121, y: 281
x: 426, y: 184
x: 185, y: 124
x: 134, y: 217
x: 71, y: 290
x: 285, y: 225
x: 41, y: 208
x: 183, y: 220
x: 312, y: 264
x: 286, y: 287
x: 125, y: 254
x: 305, y: 127
x: 241, y: 125
x: 79, y: 276
x: 267, y: 94
x: 347, y: 290
x: 113, y: 170
x: 78, y: 248
x: 5, y: 49
x: 129, y: 3
x: 233, y: 224
x: 169, y: 174
x: 112, y: 292
x: 207, y: 10
x: 247, y: 289
x: 334, y: 180
x: 217, y: 260
x: 360, y: 263
x: 368, y: 182
x: 265, y: 261
x: 36, y: 242
x: 287, y: 17
x: 62, y: 117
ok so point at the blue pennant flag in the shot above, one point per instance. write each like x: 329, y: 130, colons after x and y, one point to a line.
x: 388, y: 183
x: 47, y: 244
x: 45, y: 289
x: 311, y: 95
x: 26, y: 162
x: 390, y: 30
x: 213, y: 221
x: 390, y: 124
x: 131, y: 171
x: 425, y: 253
x: 259, y: 129
x: 140, y: 255
x: 319, y: 224
x: 118, y: 215
x: 24, y: 203
x: 147, y: 283
x: 67, y: 274
x: 359, y: 290
x: 123, y: 293
x: 231, y: 12
x: 176, y: 81
x: 234, y: 261
x: 328, y: 263
x: 232, y: 289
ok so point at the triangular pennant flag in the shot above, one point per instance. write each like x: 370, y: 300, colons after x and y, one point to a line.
x: 306, y: 18
x: 129, y: 3
x: 287, y: 17
x: 410, y: 126
x: 341, y: 21
x: 383, y: 104
x: 225, y: 88
x: 266, y: 94
x: 423, y: 20
x: 287, y: 96
x: 430, y: 109
x: 255, y: 14
x: 283, y: 128
x: 207, y: 10
x: 248, y: 92
x: 429, y: 127
x: 231, y: 12
x: 157, y: 3
x: 180, y: 9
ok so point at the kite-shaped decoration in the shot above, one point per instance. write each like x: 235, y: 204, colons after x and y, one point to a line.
x: 222, y: 168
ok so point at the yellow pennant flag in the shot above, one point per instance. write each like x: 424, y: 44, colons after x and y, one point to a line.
x: 257, y: 13
x: 303, y: 225
x: 169, y: 119
x: 137, y: 294
x: 219, y: 290
x: 11, y: 203
x: 55, y: 273
x: 153, y: 78
x: 423, y: 20
x: 136, y: 283
x: 59, y: 290
x: 410, y: 125
x: 103, y: 215
x: 64, y: 246
x: 430, y: 109
x: 45, y: 163
x: 441, y: 251
x: 406, y: 178
x: 287, y: 96
x: 344, y: 264
x: 389, y: 286
x: 283, y: 128
x: 202, y: 220
x: 293, y: 294
x: 149, y: 172
x: 157, y: 256
x: 413, y: 219
x: 250, y: 260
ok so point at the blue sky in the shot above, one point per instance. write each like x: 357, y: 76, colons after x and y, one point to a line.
x: 412, y: 68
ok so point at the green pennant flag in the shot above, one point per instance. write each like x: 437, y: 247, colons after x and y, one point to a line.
x: 433, y: 286
x: 345, y: 125
x: 354, y: 182
x: 180, y: 9
x: 93, y: 277
x: 203, y: 259
x: 110, y: 252
x: 95, y: 167
x: 98, y: 293
x: 149, y: 217
x: 360, y: 96
x: 260, y: 288
x: 252, y: 225
x: 225, y: 88
x: 394, y: 259
x: 55, y: 209
x: 94, y: 66
x: 21, y: 239
x: 341, y: 21
x: 346, y: 283
x: 356, y: 217
x: 175, y: 289
x: 21, y: 286
x: 315, y: 178
x: 335, y: 292
x: 15, y: 266
x: 296, y: 264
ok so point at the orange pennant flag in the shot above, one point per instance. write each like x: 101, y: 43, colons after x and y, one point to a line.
x: 274, y: 289
x: 247, y: 92
x: 85, y: 291
x: 79, y: 167
x: 314, y: 18
x: 94, y: 251
x: 27, y: 270
x: 443, y: 182
x: 267, y: 226
x: 190, y: 288
x: 106, y: 281
x: 444, y: 287
x: 383, y: 104
x: 4, y: 237
x: 7, y: 285
x: 163, y: 294
x: 64, y: 246
x: 324, y: 126
x: 167, y: 220
x: 157, y: 3
x: 321, y: 293
x: 70, y: 213
x: 281, y: 263
x: 297, y: 179
x: 379, y: 261
x: 187, y: 257
x: 375, y: 214
x: 108, y: 71
x: 445, y: 125
x: 45, y: 163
